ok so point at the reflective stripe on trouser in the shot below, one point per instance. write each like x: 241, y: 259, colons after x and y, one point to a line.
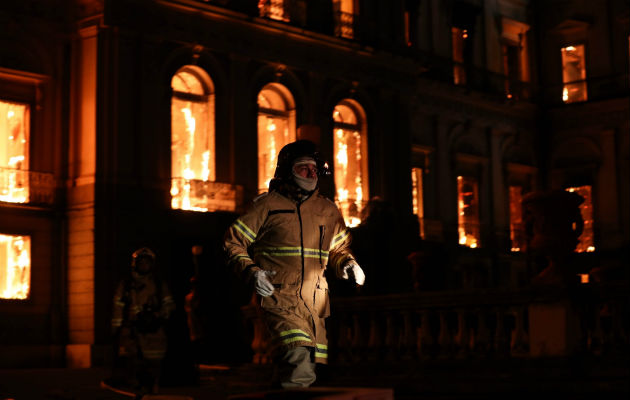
x: 296, y: 368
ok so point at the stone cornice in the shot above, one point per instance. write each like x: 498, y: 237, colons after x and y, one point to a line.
x: 226, y: 31
x: 604, y: 114
x: 439, y: 98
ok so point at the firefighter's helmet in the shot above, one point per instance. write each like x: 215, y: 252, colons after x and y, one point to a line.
x: 141, y: 253
x: 298, y: 149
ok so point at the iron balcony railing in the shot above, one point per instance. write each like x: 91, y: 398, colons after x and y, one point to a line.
x: 27, y: 187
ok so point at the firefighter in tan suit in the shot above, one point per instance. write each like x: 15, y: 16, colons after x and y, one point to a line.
x: 282, y: 247
x: 142, y: 305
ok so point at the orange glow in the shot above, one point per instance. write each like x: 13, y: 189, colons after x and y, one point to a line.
x: 14, y: 138
x: 274, y: 130
x: 349, y: 165
x: 192, y: 140
x: 516, y: 218
x: 584, y: 278
x: 467, y: 212
x: 573, y: 74
x: 15, y: 266
x: 586, y: 240
x: 417, y: 196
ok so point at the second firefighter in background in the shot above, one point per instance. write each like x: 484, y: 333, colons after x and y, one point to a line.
x: 282, y: 246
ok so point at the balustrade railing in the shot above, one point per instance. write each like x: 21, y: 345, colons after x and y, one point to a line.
x: 23, y: 186
x: 479, y: 324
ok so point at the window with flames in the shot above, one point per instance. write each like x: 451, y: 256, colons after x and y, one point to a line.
x: 417, y: 197
x: 573, y: 74
x: 343, y: 11
x: 15, y: 266
x: 517, y: 231
x: 468, y: 211
x: 192, y: 140
x: 14, y: 154
x: 350, y: 162
x: 273, y: 9
x: 586, y: 242
x: 276, y: 128
x: 458, y: 37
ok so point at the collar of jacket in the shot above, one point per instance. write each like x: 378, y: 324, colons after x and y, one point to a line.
x: 290, y: 190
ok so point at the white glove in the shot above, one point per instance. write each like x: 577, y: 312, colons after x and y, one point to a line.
x: 352, y: 269
x: 262, y: 282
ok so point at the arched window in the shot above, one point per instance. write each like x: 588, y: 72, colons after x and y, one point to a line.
x: 192, y: 138
x: 350, y: 164
x: 276, y: 128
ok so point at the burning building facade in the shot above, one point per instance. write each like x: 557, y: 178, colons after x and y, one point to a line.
x: 130, y: 123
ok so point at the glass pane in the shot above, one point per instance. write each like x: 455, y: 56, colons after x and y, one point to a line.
x: 15, y: 266
x: 345, y: 115
x: 573, y: 74
x: 586, y: 240
x: 468, y: 212
x: 187, y: 82
x: 14, y: 145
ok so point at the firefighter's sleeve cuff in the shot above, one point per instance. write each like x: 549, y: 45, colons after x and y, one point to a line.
x: 248, y: 272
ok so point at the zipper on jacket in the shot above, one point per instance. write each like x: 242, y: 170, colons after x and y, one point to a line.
x: 302, y: 248
x: 322, y: 230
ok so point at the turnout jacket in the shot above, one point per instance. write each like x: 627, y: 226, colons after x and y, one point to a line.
x: 297, y: 240
x: 134, y: 297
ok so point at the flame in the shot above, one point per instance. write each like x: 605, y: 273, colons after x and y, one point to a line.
x: 15, y: 269
x: 348, y: 177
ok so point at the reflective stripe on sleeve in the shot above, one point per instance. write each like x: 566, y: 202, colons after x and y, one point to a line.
x: 240, y: 257
x: 244, y: 230
x: 339, y: 238
x: 321, y: 350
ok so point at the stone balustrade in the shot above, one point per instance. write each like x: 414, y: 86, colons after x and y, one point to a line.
x: 475, y: 323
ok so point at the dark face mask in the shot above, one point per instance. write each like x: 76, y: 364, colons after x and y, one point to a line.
x: 144, y: 266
